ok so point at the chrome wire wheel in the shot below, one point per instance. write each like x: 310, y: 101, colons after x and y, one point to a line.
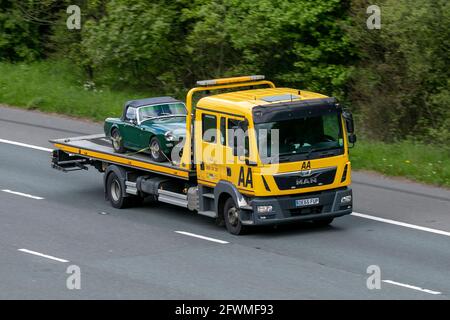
x: 116, y: 140
x: 154, y: 149
x: 156, y: 152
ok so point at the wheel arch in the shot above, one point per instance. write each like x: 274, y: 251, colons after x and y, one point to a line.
x: 223, y: 197
x: 151, y: 134
x: 114, y: 126
x: 224, y: 190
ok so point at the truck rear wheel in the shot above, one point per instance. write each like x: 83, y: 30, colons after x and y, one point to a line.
x: 115, y: 192
x: 231, y: 217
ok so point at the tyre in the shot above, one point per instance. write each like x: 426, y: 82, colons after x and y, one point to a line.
x: 115, y: 192
x: 323, y: 222
x: 117, y: 141
x: 155, y: 150
x: 231, y: 217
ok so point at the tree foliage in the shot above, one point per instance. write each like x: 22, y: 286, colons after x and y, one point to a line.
x: 297, y: 42
x: 400, y: 86
x: 19, y: 40
x: 395, y: 79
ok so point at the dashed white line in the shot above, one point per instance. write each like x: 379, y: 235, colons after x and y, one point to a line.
x: 202, y: 237
x: 402, y: 224
x: 356, y: 214
x: 30, y: 146
x: 411, y: 287
x: 43, y: 255
x: 23, y: 194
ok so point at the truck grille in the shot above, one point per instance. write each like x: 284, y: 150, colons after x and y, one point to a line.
x: 297, y: 180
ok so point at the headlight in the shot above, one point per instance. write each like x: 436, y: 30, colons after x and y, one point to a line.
x: 264, y: 209
x: 346, y: 199
x: 169, y: 136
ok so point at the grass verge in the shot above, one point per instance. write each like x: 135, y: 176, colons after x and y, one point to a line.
x: 56, y: 87
x: 415, y: 161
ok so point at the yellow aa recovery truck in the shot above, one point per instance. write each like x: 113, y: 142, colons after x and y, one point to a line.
x: 253, y: 154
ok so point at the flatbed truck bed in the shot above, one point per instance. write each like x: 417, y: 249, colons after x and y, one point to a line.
x: 135, y: 174
x: 97, y: 147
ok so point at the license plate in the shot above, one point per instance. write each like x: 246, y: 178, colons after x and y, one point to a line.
x: 306, y: 202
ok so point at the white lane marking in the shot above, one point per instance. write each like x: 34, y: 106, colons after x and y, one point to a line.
x: 402, y: 224
x: 411, y: 287
x: 20, y: 144
x: 23, y: 194
x: 201, y: 237
x: 43, y: 255
x: 356, y: 214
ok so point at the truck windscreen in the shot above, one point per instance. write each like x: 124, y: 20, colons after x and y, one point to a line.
x: 300, y: 138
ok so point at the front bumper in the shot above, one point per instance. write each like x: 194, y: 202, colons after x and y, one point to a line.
x: 285, y: 209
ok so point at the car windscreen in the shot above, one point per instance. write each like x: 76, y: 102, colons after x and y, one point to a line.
x: 299, y: 138
x: 172, y: 109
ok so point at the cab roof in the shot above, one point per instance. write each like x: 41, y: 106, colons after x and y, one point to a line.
x: 245, y: 100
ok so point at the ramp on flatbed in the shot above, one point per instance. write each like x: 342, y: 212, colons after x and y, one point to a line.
x: 98, y: 147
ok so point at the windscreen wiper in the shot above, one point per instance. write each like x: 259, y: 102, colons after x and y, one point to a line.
x: 308, y: 155
x: 171, y: 116
x: 288, y: 155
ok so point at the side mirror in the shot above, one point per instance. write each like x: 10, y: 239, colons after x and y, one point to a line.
x: 349, y: 123
x: 134, y: 121
x: 243, y: 125
x: 235, y: 146
x: 238, y: 149
x: 350, y: 126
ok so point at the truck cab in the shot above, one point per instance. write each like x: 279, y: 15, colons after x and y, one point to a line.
x: 280, y: 154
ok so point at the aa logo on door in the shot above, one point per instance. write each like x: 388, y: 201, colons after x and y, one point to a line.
x: 245, y: 180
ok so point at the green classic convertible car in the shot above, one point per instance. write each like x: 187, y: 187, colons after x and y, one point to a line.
x: 153, y: 125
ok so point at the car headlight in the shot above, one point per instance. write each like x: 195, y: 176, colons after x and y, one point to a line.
x: 346, y: 199
x: 169, y: 136
x: 264, y: 209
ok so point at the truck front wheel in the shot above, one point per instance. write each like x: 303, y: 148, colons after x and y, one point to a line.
x: 231, y: 217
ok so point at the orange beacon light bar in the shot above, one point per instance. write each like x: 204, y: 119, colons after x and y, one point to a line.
x: 213, y: 82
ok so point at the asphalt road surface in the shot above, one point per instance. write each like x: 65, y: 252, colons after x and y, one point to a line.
x: 51, y: 220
